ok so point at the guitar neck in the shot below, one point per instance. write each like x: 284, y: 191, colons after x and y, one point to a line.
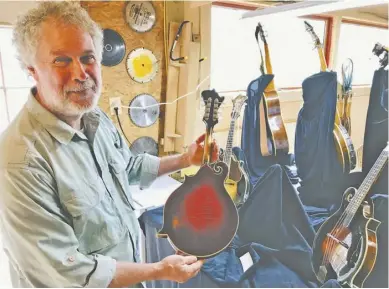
x: 368, y: 182
x: 323, y: 62
x: 230, y: 140
x: 269, y: 69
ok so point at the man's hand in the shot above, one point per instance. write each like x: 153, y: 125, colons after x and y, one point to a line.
x: 179, y: 268
x: 196, y: 151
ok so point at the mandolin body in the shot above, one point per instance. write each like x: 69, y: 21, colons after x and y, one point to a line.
x: 200, y: 218
x: 352, y: 262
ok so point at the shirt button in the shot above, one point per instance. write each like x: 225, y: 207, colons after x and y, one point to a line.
x: 71, y: 259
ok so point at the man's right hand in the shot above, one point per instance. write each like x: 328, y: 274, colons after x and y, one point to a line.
x: 179, y: 268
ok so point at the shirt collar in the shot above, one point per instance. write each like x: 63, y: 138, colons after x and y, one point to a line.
x: 59, y: 129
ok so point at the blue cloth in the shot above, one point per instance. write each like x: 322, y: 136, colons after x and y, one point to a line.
x: 315, y: 154
x: 376, y: 128
x: 258, y: 164
x: 275, y: 243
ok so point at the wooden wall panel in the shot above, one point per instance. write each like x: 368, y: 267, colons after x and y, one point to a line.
x: 116, y: 81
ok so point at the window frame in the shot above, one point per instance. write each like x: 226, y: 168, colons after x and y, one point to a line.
x: 328, y: 23
x: 366, y: 23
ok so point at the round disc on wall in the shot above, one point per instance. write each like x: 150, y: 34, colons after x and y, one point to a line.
x: 144, y: 110
x: 142, y: 65
x: 140, y: 15
x: 144, y: 144
x: 114, y: 48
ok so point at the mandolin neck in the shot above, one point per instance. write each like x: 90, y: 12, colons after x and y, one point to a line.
x: 230, y: 140
x: 207, y: 146
x: 269, y: 69
x: 368, y: 182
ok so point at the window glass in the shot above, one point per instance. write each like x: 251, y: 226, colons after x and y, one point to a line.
x: 235, y: 54
x: 357, y: 42
x: 14, y: 76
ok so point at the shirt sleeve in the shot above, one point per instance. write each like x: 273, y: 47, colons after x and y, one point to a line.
x: 38, y: 237
x: 141, y: 169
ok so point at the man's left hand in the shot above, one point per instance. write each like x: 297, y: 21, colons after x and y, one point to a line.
x: 196, y: 151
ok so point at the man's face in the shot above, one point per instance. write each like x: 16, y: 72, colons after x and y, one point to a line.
x: 66, y: 69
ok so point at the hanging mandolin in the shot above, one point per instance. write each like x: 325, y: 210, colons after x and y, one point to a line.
x: 199, y: 217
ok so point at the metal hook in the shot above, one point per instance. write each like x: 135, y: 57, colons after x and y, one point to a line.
x: 175, y: 43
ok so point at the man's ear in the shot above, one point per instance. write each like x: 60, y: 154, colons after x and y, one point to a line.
x: 33, y: 73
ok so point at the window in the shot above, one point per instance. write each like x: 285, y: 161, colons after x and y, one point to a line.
x: 357, y: 42
x: 235, y: 54
x: 14, y: 82
x: 14, y: 88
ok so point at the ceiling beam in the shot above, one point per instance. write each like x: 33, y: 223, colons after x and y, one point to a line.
x: 310, y: 7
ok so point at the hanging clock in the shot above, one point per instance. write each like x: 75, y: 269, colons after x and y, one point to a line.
x: 142, y: 65
x: 140, y: 15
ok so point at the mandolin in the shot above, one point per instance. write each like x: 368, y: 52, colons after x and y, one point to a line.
x: 235, y: 167
x: 274, y: 139
x: 199, y: 217
x: 345, y: 246
x: 343, y: 143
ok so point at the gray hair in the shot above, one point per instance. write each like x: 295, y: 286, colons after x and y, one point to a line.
x: 27, y: 27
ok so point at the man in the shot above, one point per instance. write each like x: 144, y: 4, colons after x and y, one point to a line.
x: 66, y: 210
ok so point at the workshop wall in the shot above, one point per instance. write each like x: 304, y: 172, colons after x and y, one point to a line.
x: 116, y: 80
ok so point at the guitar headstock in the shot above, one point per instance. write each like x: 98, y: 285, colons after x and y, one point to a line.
x: 212, y: 102
x: 311, y: 31
x: 237, y: 102
x: 259, y: 30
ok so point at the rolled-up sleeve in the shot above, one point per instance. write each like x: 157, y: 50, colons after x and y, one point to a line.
x: 38, y: 236
x: 143, y: 169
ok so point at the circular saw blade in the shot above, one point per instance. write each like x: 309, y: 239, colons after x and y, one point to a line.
x: 142, y: 65
x: 144, y: 144
x: 140, y: 15
x: 140, y: 112
x: 114, y: 48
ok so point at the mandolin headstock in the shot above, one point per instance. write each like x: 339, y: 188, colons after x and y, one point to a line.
x: 238, y: 102
x: 212, y: 102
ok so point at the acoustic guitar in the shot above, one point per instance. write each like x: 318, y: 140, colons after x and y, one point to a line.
x: 270, y: 110
x: 343, y: 143
x: 199, y: 217
x: 235, y: 167
x: 345, y: 246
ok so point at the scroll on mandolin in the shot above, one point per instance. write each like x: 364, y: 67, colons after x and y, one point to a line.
x: 199, y: 217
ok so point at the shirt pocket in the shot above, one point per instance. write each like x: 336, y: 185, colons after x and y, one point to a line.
x: 96, y: 222
x: 120, y: 177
